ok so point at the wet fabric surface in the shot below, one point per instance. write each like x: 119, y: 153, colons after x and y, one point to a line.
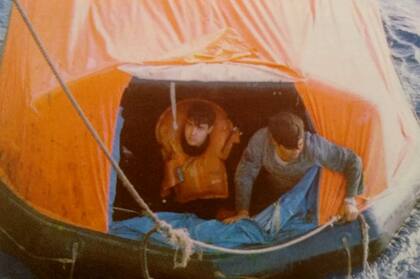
x: 293, y: 214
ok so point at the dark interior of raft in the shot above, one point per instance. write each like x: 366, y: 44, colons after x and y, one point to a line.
x: 248, y: 105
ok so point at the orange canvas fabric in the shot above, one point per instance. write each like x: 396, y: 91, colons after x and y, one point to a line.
x: 345, y: 124
x: 337, y: 48
x: 52, y: 161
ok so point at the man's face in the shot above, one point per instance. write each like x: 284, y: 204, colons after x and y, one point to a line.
x: 289, y: 155
x: 196, y: 134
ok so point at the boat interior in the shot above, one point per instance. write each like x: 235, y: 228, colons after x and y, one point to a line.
x: 247, y: 104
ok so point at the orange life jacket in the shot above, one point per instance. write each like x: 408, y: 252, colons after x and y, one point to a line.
x: 198, y: 177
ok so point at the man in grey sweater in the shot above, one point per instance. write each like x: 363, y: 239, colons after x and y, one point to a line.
x: 286, y: 152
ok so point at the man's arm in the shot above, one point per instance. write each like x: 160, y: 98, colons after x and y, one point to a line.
x: 344, y: 160
x: 246, y: 172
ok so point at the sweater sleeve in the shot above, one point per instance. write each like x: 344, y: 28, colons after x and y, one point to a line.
x: 247, y: 170
x: 341, y: 159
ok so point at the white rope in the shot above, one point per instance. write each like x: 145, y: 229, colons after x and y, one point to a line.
x: 364, y: 227
x: 179, y: 238
x: 348, y: 253
x: 382, y: 195
x: 173, y: 106
x: 182, y: 238
x: 145, y: 265
x: 268, y: 249
x: 126, y: 210
x: 75, y: 252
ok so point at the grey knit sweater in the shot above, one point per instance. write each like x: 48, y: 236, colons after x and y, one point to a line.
x: 260, y: 153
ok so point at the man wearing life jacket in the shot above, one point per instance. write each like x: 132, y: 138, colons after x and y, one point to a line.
x: 286, y: 152
x: 194, y: 155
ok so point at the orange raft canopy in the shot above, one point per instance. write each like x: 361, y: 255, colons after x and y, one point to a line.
x: 336, y: 50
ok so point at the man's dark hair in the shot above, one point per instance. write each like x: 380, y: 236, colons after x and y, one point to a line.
x: 286, y: 128
x: 201, y: 113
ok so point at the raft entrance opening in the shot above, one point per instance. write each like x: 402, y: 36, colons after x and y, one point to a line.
x: 248, y: 105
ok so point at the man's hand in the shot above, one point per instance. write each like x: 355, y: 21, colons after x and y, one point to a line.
x: 350, y: 210
x: 240, y: 215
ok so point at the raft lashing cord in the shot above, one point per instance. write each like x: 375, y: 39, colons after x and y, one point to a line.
x: 145, y: 268
x: 72, y: 261
x: 75, y: 253
x: 345, y: 243
x: 36, y: 257
x: 177, y: 237
x: 364, y: 230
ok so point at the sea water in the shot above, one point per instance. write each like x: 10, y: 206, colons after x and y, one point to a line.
x: 402, y: 24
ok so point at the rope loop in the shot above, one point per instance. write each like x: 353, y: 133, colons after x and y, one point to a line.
x: 179, y: 238
x: 145, y: 265
x: 346, y: 247
x: 75, y: 253
x: 364, y: 229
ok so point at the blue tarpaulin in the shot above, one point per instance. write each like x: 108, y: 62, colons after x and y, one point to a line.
x: 293, y: 214
x: 116, y: 156
x: 5, y: 9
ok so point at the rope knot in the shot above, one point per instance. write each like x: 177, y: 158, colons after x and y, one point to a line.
x: 179, y: 238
